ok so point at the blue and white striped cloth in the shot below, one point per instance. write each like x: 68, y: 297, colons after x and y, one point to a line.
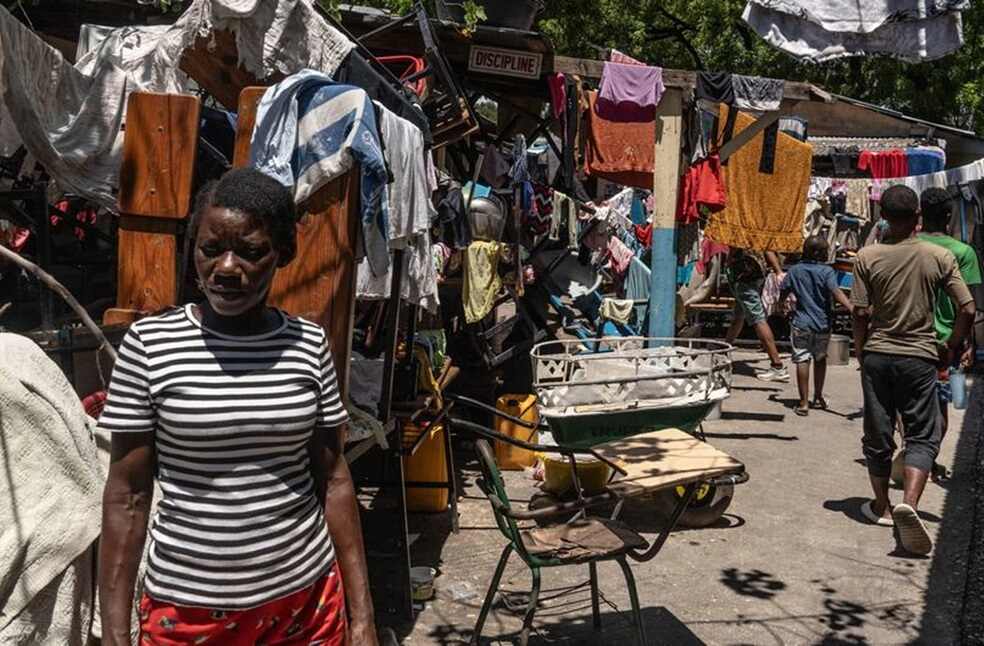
x: 311, y: 130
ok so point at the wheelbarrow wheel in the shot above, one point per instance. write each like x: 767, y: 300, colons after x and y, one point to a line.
x: 706, y: 508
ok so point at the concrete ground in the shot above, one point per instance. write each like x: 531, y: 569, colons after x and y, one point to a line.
x: 792, y: 563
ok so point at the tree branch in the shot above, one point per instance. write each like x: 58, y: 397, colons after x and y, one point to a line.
x: 58, y: 288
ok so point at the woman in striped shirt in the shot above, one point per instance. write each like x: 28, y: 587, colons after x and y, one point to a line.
x: 234, y: 407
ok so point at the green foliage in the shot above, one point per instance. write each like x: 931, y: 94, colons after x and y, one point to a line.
x: 947, y: 90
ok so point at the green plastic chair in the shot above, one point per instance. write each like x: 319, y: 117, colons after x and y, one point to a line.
x: 533, y: 547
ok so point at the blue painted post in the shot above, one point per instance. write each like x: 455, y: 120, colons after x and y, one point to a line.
x: 666, y: 185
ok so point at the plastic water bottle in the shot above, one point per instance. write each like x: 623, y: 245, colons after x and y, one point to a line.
x: 958, y: 388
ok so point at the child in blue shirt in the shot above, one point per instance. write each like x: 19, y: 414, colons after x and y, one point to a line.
x: 815, y: 285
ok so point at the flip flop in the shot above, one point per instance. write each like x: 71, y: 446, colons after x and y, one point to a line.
x: 802, y: 412
x: 869, y: 514
x: 819, y: 403
x: 912, y: 532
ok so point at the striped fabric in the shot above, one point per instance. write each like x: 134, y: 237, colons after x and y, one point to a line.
x: 239, y: 523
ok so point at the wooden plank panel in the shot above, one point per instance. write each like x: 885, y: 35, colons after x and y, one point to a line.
x: 249, y: 103
x: 588, y: 68
x: 320, y: 283
x: 159, y: 154
x: 147, y: 264
x: 214, y: 64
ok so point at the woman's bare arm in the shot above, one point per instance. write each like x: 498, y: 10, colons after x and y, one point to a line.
x: 127, y: 497
x: 345, y: 526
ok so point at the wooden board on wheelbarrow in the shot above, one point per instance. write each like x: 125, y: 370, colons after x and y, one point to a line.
x: 663, y: 459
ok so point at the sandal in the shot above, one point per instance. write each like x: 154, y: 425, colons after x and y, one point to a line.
x: 868, y: 511
x: 912, y: 533
x: 819, y: 403
x: 802, y: 412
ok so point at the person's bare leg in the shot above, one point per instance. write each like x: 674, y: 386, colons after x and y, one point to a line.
x: 803, y: 383
x: 737, y: 323
x: 819, y: 377
x: 764, y: 333
x: 881, y: 506
x: 915, y: 483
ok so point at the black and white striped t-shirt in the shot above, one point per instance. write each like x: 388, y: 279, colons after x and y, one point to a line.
x: 239, y: 523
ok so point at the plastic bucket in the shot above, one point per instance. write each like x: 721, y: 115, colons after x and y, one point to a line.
x: 422, y: 583
x: 839, y: 350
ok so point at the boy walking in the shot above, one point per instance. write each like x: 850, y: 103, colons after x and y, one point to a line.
x: 746, y: 276
x: 896, y: 287
x: 815, y: 285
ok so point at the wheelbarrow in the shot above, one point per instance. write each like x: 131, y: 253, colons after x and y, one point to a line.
x: 635, y: 404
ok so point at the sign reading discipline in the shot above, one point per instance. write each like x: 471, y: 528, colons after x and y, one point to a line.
x: 505, y: 62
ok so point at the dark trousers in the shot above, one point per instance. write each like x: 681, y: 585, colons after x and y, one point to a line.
x: 899, y: 385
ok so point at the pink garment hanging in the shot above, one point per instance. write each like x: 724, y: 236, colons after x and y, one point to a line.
x: 709, y: 249
x: 620, y: 255
x: 618, y: 57
x: 633, y: 84
x: 558, y: 93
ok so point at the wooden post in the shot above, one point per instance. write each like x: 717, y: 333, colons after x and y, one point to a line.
x: 155, y: 194
x: 666, y: 186
x: 320, y: 282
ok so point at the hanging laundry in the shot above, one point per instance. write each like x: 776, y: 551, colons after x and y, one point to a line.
x: 616, y: 56
x: 638, y: 214
x: 538, y: 220
x: 557, y: 84
x: 914, y: 34
x: 843, y: 161
x: 644, y: 234
x: 971, y: 172
x: 764, y: 211
x: 622, y: 152
x: 884, y: 164
x: 481, y: 280
x: 410, y: 215
x: 451, y: 215
x: 794, y: 127
x: 619, y: 255
x: 637, y: 286
x: 925, y: 159
x: 701, y: 186
x: 636, y: 85
x: 858, y: 201
x: 495, y: 168
x: 616, y: 309
x: 708, y: 250
x: 757, y: 93
x: 744, y: 92
x: 311, y: 130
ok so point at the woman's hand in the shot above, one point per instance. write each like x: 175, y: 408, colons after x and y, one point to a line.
x: 361, y: 633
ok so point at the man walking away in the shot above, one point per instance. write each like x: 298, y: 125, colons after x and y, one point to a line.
x: 895, y: 291
x: 746, y: 278
x: 937, y: 207
x: 814, y: 283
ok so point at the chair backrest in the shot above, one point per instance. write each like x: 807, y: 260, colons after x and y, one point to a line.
x: 493, y: 487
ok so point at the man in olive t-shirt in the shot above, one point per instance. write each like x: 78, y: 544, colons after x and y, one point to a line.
x: 896, y: 287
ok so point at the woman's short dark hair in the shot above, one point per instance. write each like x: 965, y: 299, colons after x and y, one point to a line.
x: 249, y: 191
x: 816, y: 248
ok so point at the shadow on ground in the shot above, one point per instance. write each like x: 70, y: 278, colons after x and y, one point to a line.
x: 955, y: 594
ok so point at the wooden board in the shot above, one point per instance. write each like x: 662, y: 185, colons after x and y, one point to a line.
x: 320, y: 282
x: 214, y: 64
x: 664, y: 459
x: 159, y: 148
x: 249, y: 102
x: 146, y: 268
